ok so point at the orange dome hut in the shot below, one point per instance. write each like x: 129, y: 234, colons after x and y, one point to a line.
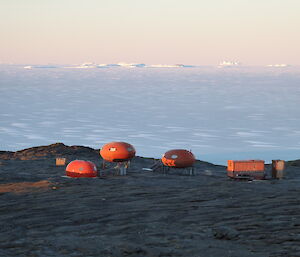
x: 178, y: 158
x: 79, y: 169
x: 117, y: 152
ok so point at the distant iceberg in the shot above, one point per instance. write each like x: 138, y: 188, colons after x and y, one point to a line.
x: 86, y: 65
x: 229, y: 64
x: 102, y: 65
x: 131, y: 65
x: 282, y: 65
x: 113, y: 65
x: 170, y: 66
x: 163, y: 66
x: 140, y: 65
x: 89, y: 65
x: 92, y: 65
x: 40, y: 67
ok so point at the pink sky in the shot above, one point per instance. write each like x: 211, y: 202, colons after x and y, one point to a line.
x: 157, y: 31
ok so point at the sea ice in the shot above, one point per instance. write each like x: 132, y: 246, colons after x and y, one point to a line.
x: 219, y: 114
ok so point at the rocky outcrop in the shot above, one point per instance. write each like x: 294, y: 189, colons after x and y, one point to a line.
x: 39, y: 152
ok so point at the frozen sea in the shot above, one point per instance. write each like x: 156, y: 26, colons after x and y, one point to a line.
x: 220, y: 114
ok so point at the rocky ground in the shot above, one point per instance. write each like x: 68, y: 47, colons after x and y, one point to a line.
x: 43, y: 213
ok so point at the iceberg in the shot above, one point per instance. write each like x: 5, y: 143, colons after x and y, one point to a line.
x: 89, y: 65
x: 131, y: 65
x: 229, y: 64
x: 86, y: 65
x: 166, y: 65
x: 40, y: 67
x: 282, y: 65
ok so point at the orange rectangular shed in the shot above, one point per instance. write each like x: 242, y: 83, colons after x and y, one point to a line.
x: 250, y: 168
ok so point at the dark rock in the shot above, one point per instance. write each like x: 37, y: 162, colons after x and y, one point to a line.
x: 225, y: 233
x: 53, y: 150
x: 146, y: 213
x: 295, y: 163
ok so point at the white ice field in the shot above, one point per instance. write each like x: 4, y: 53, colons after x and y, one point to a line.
x: 218, y: 113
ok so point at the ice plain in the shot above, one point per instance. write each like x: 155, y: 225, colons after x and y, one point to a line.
x: 220, y: 114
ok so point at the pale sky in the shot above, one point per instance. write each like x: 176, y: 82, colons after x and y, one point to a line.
x: 254, y: 32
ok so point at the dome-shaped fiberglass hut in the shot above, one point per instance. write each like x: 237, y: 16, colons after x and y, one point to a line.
x: 79, y: 168
x: 178, y: 158
x: 117, y: 152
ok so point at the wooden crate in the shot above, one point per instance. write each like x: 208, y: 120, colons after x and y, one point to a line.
x: 277, y: 169
x: 60, y: 161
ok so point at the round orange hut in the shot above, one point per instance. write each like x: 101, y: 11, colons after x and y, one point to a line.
x: 178, y: 158
x: 117, y: 152
x: 79, y: 169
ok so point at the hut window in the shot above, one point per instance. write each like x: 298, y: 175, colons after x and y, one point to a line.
x: 112, y: 149
x: 81, y: 169
x: 174, y: 156
x: 129, y: 149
